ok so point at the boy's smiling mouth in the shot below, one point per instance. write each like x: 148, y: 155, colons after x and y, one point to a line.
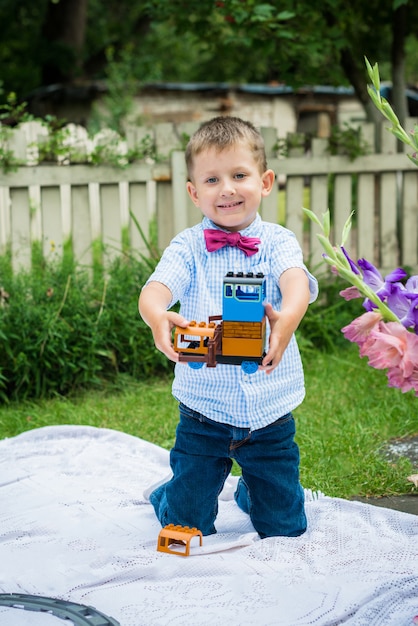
x: 230, y: 205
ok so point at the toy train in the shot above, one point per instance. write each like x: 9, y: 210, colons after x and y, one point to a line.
x: 236, y: 337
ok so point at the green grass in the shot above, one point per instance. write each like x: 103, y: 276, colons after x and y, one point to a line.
x: 144, y: 409
x: 347, y: 419
x: 348, y: 416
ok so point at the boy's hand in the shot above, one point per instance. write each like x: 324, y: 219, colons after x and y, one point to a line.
x: 282, y: 329
x: 161, y: 328
x: 153, y: 303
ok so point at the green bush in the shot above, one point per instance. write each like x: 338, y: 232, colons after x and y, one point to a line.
x: 63, y: 327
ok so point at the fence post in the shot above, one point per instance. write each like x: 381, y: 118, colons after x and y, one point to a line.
x: 270, y: 204
x: 319, y: 200
x: 20, y: 230
x: 4, y: 219
x: 409, y: 210
x: 365, y: 217
x: 180, y: 195
x: 388, y: 207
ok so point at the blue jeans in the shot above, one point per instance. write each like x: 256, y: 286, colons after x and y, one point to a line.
x: 268, y: 490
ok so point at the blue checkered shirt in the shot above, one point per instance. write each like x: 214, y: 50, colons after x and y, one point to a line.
x: 194, y: 276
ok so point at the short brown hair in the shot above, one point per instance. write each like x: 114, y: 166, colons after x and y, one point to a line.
x: 224, y: 132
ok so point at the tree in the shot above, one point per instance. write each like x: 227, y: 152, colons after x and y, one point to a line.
x: 252, y: 41
x: 63, y: 36
x: 302, y: 43
x: 385, y: 21
x: 50, y: 41
x: 19, y: 64
x: 399, y: 34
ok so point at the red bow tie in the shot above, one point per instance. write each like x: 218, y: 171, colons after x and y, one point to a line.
x: 216, y: 239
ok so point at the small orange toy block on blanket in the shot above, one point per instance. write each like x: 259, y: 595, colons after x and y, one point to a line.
x: 179, y: 536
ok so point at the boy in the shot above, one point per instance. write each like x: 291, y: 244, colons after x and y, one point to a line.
x: 224, y: 412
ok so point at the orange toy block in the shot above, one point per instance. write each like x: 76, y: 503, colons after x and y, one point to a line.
x: 179, y: 536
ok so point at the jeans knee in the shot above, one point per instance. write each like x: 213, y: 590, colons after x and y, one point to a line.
x: 172, y: 508
x: 280, y: 526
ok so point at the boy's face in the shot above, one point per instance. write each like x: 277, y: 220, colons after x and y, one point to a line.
x: 227, y: 186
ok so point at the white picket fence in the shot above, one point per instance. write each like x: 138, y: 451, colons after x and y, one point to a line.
x: 81, y: 203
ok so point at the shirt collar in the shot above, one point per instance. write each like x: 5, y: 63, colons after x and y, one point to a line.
x: 251, y: 231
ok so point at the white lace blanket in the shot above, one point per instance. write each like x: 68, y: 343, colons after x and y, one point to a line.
x: 74, y: 526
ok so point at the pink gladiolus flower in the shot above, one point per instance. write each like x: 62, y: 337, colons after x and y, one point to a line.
x: 387, y: 345
x: 382, y: 350
x: 397, y: 379
x: 390, y: 345
x: 350, y: 293
x: 408, y: 346
x: 360, y: 328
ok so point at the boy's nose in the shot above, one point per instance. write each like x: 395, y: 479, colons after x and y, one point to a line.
x: 228, y: 188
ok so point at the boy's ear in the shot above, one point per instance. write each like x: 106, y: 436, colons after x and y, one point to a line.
x: 268, y: 181
x: 191, y: 190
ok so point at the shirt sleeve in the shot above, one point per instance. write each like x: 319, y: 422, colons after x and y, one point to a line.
x: 174, y: 268
x: 286, y: 253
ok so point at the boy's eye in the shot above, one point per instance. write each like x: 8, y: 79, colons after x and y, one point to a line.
x: 240, y: 176
x: 212, y: 180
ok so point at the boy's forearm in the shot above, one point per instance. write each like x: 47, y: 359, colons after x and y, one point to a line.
x: 154, y: 298
x: 294, y: 285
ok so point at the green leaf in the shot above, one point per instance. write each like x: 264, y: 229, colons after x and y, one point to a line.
x: 369, y: 68
x: 346, y: 228
x: 265, y: 11
x: 285, y: 15
x: 389, y: 113
x: 373, y: 72
x: 399, y: 3
x: 375, y: 96
x: 285, y: 34
x: 327, y: 245
x: 312, y: 216
x: 413, y: 158
x: 326, y: 223
x: 376, y: 77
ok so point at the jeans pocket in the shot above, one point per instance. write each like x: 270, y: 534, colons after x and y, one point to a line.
x: 285, y: 419
x: 188, y: 413
x: 283, y: 427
